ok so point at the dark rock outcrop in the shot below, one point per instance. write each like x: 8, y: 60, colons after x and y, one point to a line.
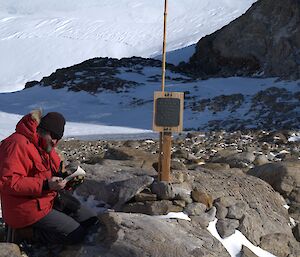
x: 98, y: 74
x: 265, y: 41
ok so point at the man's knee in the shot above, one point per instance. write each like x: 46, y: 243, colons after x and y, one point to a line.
x: 76, y: 236
x: 89, y: 222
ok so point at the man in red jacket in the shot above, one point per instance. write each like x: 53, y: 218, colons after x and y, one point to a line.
x: 29, y: 182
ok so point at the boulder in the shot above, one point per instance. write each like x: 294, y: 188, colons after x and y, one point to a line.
x: 238, y: 160
x: 116, y: 193
x: 195, y: 209
x: 284, y: 177
x: 204, y: 218
x: 9, y: 250
x: 202, y: 197
x: 260, y: 160
x: 227, y: 227
x: 142, y: 235
x: 281, y: 245
x: 264, y: 212
x: 163, y: 190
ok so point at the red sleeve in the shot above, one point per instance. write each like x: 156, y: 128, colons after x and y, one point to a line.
x: 14, y: 169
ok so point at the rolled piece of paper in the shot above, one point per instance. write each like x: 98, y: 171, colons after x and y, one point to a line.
x: 78, y: 172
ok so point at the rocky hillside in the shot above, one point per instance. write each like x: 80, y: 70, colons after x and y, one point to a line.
x: 265, y: 41
x: 125, y: 87
x: 243, y: 180
x: 100, y: 74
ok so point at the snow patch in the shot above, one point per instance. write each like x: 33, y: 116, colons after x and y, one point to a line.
x: 233, y: 243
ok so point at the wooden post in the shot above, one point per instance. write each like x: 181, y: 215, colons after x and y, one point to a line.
x: 160, y: 155
x: 164, y: 159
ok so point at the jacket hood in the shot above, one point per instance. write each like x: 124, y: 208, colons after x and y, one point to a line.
x: 28, y: 124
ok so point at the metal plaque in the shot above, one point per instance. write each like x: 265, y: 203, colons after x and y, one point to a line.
x: 167, y: 112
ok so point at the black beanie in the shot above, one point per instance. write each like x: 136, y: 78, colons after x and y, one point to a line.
x: 53, y: 122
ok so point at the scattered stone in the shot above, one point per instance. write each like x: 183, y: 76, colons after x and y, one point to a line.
x: 226, y: 201
x: 246, y: 252
x: 184, y: 196
x: 143, y: 197
x: 260, y: 160
x: 216, y: 166
x: 236, y: 211
x: 180, y: 203
x: 177, y: 165
x: 296, y: 232
x: 195, y: 209
x: 202, y: 197
x: 227, y: 227
x: 152, y: 207
x: 117, y: 154
x: 163, y: 190
x: 221, y: 211
x: 205, y: 218
x: 180, y: 154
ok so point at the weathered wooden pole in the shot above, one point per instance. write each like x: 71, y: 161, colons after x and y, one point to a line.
x: 165, y: 138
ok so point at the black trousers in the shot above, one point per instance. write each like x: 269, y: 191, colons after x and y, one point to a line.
x: 59, y: 228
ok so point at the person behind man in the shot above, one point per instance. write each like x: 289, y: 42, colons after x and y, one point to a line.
x: 30, y: 182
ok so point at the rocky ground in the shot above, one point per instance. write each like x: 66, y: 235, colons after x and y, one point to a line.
x: 242, y: 178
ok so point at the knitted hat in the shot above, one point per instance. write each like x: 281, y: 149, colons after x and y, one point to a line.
x: 53, y: 122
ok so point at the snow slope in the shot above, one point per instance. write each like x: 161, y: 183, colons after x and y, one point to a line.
x: 132, y: 108
x: 37, y: 37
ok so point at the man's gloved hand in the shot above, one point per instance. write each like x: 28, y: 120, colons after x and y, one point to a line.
x: 56, y: 183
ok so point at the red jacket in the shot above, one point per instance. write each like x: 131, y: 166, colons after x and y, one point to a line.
x: 23, y: 168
